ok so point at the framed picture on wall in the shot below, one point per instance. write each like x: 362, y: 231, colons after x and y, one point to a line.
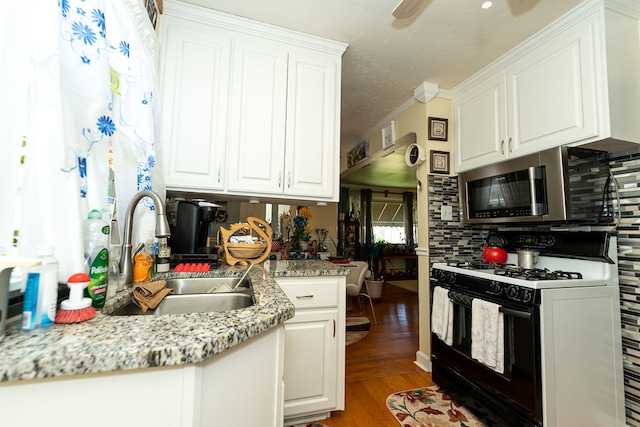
x: 359, y: 152
x: 154, y: 7
x: 389, y: 135
x: 438, y: 129
x: 440, y: 162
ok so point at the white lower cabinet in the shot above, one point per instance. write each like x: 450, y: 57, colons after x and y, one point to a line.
x: 240, y: 387
x: 314, y: 348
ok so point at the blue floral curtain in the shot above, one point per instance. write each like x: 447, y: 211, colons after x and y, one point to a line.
x: 79, y: 80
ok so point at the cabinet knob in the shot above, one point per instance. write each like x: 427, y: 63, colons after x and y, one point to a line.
x: 510, y: 145
x: 502, y: 146
x: 289, y: 179
x: 279, y: 179
x: 219, y: 172
x: 309, y: 296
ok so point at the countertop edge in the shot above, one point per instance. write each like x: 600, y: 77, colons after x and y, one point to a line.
x: 118, y: 343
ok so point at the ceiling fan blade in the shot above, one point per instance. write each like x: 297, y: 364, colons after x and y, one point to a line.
x: 406, y: 8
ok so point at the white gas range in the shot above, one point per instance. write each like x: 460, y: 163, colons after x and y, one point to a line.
x: 562, y: 346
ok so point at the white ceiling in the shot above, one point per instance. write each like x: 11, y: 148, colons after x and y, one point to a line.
x: 445, y: 42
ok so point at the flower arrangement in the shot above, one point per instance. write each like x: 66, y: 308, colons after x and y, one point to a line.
x: 301, y: 232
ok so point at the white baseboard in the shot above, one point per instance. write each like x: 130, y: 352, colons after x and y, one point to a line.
x: 423, y: 361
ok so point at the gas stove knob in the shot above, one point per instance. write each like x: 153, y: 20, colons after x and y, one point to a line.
x: 512, y: 292
x: 452, y: 277
x: 526, y: 296
x: 495, y: 288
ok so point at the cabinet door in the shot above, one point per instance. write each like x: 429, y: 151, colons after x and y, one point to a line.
x: 312, y: 161
x: 480, y: 120
x: 257, y: 112
x: 310, y: 364
x: 195, y: 81
x: 551, y: 93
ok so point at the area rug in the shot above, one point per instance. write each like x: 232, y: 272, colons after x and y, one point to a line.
x: 311, y: 425
x: 430, y: 406
x: 358, y: 327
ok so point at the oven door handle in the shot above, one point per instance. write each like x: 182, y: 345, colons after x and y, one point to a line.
x: 516, y: 313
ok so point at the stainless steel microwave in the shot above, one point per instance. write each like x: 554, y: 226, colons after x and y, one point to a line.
x: 563, y: 184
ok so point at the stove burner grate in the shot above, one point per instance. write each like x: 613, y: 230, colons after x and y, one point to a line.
x: 535, y: 273
x: 471, y: 265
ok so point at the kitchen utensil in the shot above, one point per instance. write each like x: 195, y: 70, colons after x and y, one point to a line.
x: 7, y: 264
x: 76, y: 308
x: 494, y: 255
x: 225, y: 287
x: 528, y: 259
x: 494, y: 251
x: 243, y: 276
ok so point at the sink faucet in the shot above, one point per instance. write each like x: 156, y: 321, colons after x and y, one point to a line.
x: 162, y: 230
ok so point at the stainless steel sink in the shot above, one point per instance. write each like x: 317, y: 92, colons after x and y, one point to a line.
x: 199, y: 295
x: 207, y: 285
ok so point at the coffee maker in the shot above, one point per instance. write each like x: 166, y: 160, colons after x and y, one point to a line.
x: 190, y: 230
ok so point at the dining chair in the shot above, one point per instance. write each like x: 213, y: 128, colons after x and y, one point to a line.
x: 356, y: 279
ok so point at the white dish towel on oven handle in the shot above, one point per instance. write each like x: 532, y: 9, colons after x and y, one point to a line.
x: 487, y: 334
x: 442, y: 315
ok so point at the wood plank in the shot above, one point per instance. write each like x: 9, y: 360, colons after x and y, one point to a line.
x: 383, y: 362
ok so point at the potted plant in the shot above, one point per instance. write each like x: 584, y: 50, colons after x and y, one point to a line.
x: 375, y: 281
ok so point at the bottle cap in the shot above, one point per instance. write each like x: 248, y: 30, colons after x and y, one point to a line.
x: 95, y: 214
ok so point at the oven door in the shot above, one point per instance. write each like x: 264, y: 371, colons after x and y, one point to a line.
x: 516, y: 393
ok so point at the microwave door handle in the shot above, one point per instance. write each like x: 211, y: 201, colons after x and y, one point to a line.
x: 536, y: 178
x: 516, y: 313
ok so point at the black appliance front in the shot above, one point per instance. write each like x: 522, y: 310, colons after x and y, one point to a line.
x: 515, y: 395
x: 190, y: 232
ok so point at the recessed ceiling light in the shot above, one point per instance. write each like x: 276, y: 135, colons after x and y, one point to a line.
x: 487, y: 5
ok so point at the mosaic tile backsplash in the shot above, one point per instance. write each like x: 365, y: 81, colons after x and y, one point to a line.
x: 452, y: 240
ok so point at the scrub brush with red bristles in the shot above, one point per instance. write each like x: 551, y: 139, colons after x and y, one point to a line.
x: 76, y: 308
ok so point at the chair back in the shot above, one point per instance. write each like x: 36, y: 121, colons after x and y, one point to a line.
x: 356, y: 276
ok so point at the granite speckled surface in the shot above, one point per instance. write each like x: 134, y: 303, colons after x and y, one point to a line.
x: 114, y: 343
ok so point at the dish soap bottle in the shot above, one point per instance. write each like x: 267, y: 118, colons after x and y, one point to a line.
x: 96, y: 254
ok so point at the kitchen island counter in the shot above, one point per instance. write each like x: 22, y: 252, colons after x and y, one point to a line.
x: 117, y: 343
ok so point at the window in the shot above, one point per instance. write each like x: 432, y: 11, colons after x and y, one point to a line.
x: 387, y: 212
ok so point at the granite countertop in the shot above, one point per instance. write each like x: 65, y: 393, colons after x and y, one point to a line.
x: 115, y: 343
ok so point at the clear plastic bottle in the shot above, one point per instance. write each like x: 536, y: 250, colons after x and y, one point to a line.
x: 96, y: 253
x: 41, y: 294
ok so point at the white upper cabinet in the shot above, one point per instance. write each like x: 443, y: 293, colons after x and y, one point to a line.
x: 313, y: 126
x: 194, y: 74
x: 284, y: 123
x: 569, y: 84
x: 255, y: 112
x: 257, y: 117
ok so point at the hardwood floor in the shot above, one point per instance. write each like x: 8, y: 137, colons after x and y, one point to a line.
x: 382, y: 363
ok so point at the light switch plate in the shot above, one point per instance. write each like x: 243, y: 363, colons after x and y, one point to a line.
x: 446, y: 213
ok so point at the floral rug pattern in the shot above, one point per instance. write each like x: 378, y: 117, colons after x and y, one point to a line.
x: 430, y: 407
x: 311, y: 425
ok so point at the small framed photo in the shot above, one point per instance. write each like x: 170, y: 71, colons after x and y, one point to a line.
x: 440, y: 162
x: 438, y: 129
x: 360, y: 152
x: 153, y: 8
x: 389, y: 135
